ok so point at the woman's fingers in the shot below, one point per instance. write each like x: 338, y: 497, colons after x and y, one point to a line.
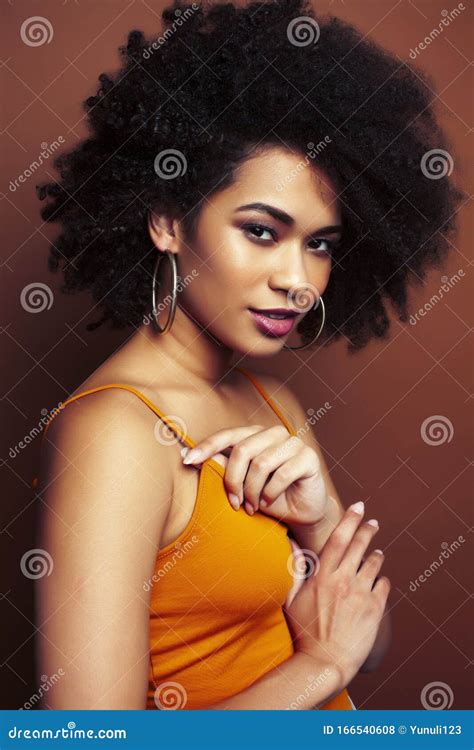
x: 218, y: 442
x: 246, y: 444
x: 358, y: 545
x: 256, y: 481
x: 381, y: 590
x: 248, y: 452
x: 336, y: 545
x: 303, y: 464
x: 370, y: 568
x: 262, y: 463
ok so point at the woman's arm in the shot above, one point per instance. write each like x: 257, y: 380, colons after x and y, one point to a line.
x: 300, y: 682
x: 104, y: 506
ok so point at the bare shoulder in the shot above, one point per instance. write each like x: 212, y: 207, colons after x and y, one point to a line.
x: 103, y: 419
x: 108, y: 430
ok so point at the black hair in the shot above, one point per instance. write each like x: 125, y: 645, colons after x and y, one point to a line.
x: 220, y: 83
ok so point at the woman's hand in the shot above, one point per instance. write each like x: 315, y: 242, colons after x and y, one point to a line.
x: 337, y: 611
x: 268, y: 470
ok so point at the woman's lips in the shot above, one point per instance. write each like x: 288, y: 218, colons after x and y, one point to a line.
x: 273, y: 326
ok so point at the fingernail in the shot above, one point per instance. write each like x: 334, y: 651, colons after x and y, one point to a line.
x: 193, y: 455
x: 373, y: 522
x: 248, y: 508
x: 379, y: 551
x: 357, y: 507
x: 234, y: 501
x: 263, y: 504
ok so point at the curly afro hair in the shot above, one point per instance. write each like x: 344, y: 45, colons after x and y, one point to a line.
x: 221, y: 82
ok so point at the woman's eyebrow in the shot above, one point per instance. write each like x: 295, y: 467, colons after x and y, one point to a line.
x: 285, y: 218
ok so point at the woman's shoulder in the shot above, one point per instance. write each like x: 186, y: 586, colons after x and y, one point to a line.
x: 112, y: 391
x: 102, y: 424
x: 105, y: 460
x: 94, y: 404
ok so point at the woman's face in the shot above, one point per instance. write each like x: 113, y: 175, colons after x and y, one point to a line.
x: 261, y: 258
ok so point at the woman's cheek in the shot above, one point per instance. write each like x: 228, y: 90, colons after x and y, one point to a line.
x: 298, y: 565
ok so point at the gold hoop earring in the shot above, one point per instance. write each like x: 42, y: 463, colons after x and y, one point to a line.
x: 303, y: 346
x: 174, y: 290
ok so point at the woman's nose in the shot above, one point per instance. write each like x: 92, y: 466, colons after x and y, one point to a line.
x: 289, y: 270
x: 295, y: 273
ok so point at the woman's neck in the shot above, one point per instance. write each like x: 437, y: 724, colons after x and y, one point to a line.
x: 183, y: 355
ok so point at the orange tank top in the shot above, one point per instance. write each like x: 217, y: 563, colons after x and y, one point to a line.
x: 217, y: 593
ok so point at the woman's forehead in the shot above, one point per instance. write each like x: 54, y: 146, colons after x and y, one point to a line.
x: 285, y: 180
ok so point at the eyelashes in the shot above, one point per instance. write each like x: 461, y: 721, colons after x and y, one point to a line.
x: 252, y: 231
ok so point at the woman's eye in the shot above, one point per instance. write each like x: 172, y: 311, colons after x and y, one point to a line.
x: 256, y: 231
x: 328, y: 245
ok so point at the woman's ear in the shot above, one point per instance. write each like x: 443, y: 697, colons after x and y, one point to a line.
x: 162, y: 231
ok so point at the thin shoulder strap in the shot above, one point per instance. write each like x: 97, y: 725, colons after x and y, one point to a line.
x: 180, y: 433
x: 183, y: 436
x: 267, y: 398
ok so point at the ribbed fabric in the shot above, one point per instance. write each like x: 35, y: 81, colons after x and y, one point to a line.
x: 216, y: 612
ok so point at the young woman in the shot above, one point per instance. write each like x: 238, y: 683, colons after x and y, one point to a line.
x: 253, y: 171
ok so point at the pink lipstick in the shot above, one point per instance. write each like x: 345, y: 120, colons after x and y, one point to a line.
x: 275, y: 322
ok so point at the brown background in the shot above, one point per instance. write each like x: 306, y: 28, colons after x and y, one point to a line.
x: 379, y: 398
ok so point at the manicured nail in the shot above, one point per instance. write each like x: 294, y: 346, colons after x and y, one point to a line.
x: 234, y: 501
x: 357, y: 507
x: 249, y: 508
x: 193, y: 455
x: 373, y: 522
